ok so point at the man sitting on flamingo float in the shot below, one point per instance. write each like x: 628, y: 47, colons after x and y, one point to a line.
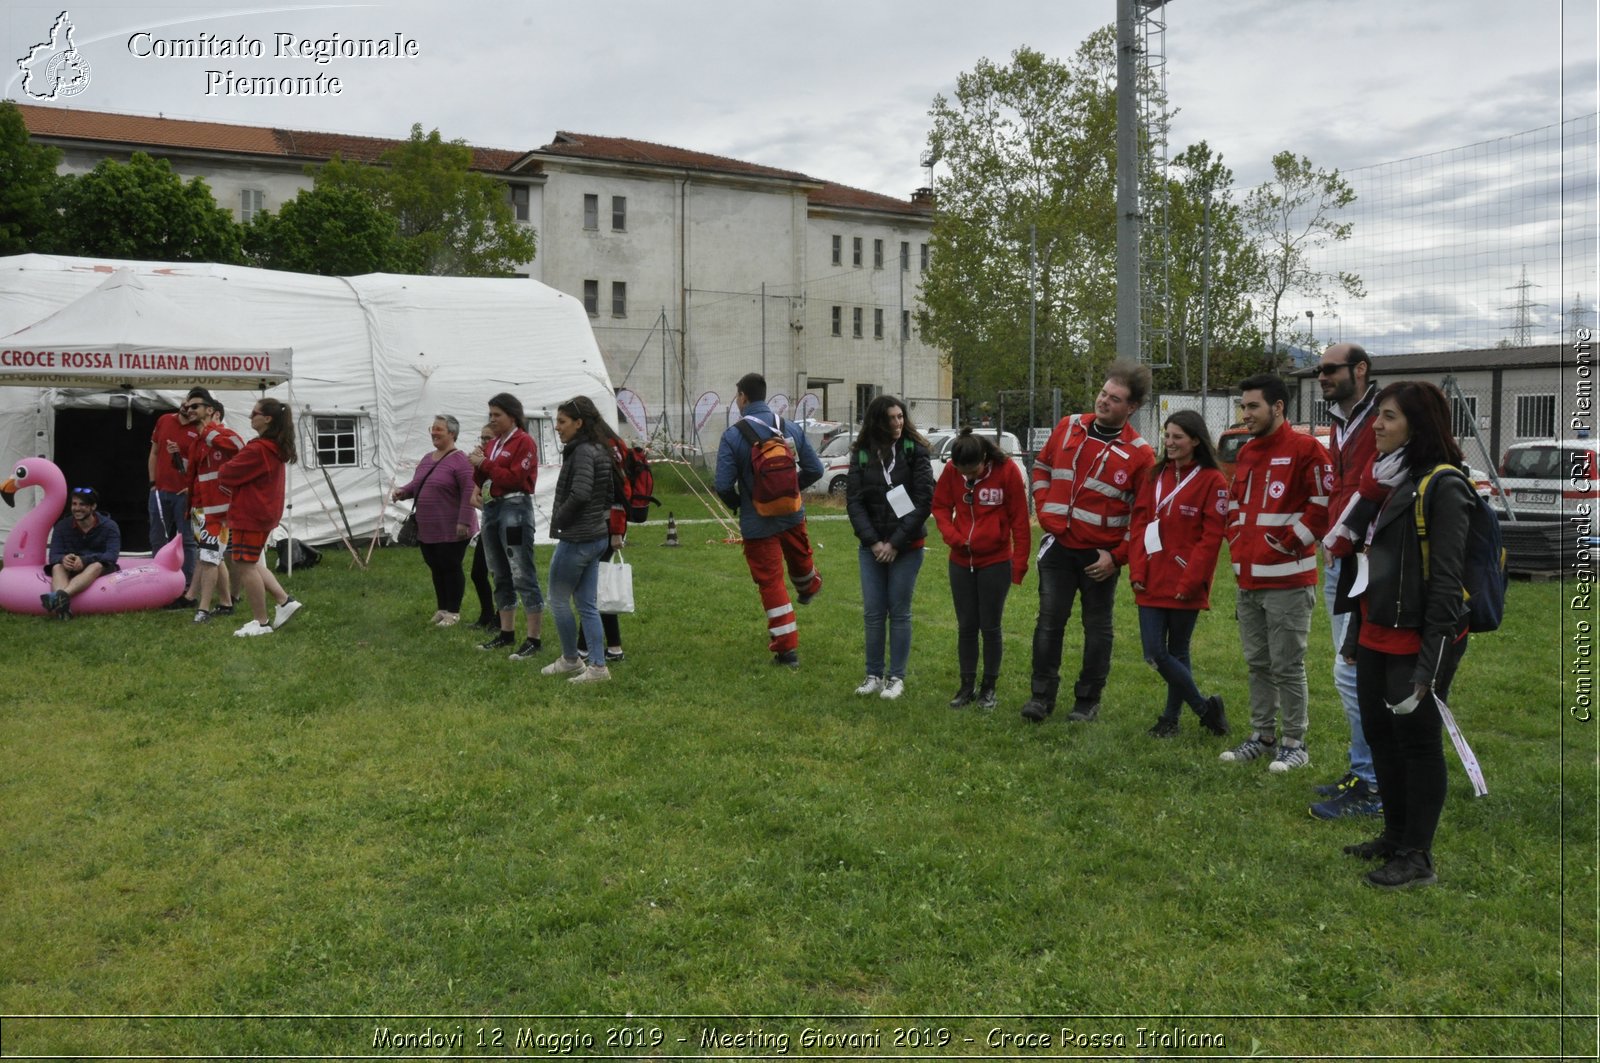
x: 84, y: 546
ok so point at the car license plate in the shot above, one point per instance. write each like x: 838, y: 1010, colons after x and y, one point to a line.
x: 1537, y: 498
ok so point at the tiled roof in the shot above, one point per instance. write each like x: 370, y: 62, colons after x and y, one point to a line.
x: 621, y: 149
x: 156, y: 132
x: 832, y: 195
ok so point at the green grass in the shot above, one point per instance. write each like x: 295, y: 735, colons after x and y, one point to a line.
x: 365, y: 816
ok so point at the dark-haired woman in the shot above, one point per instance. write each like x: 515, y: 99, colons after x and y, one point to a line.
x: 1413, y: 625
x: 510, y: 468
x: 1174, y: 537
x: 889, y: 496
x: 981, y: 507
x: 257, y: 479
x: 581, y: 525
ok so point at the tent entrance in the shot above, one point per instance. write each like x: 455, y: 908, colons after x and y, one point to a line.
x: 108, y: 450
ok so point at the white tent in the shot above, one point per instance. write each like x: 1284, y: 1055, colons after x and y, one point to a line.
x: 374, y: 359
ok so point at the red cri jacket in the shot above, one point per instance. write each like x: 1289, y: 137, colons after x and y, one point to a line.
x: 256, y: 477
x: 1083, y: 489
x: 216, y: 445
x: 510, y: 466
x: 1278, y: 509
x: 993, y: 526
x: 1189, y: 519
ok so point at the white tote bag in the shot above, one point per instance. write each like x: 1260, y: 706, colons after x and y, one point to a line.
x: 615, y: 591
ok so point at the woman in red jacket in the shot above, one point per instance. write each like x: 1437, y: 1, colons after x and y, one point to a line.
x: 256, y: 479
x: 1173, y: 540
x: 981, y: 506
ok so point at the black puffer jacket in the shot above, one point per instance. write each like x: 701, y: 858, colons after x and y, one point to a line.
x: 871, y: 515
x: 1396, y: 594
x: 584, y: 493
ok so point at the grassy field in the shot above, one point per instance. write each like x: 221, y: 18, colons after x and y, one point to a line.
x: 362, y: 836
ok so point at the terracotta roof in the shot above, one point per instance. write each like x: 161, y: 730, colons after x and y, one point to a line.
x: 145, y: 131
x: 621, y: 149
x: 832, y: 195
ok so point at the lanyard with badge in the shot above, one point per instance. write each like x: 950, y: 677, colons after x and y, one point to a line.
x: 898, y: 497
x: 1152, y: 531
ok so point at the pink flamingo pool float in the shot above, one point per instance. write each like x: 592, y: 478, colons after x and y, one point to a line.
x: 149, y: 585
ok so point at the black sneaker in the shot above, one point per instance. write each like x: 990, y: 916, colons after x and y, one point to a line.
x: 963, y: 698
x: 1339, y: 786
x: 1164, y: 728
x: 986, y: 698
x: 787, y: 659
x: 487, y: 623
x: 1358, y: 800
x: 1213, y: 718
x: 188, y: 605
x: 1407, y: 868
x: 1379, y: 848
x: 1084, y: 712
x: 528, y: 648
x: 810, y: 592
x: 1037, y: 710
x: 613, y: 656
x: 501, y: 640
x: 223, y: 610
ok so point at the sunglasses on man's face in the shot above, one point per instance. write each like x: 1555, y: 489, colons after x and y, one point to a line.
x: 194, y: 407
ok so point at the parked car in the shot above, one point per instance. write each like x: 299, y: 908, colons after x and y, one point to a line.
x: 1545, y: 479
x: 1234, y: 437
x: 835, y: 457
x: 1008, y: 443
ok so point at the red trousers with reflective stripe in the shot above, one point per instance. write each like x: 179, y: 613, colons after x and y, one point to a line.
x: 767, y: 558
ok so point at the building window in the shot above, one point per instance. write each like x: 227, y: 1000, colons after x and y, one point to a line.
x: 251, y: 203
x: 838, y: 318
x: 838, y: 250
x: 619, y: 213
x: 1536, y: 416
x: 337, y: 440
x: 1464, y: 417
x: 591, y: 211
x: 619, y: 299
x: 855, y: 253
x: 865, y: 393
x: 517, y: 195
x: 877, y: 254
x: 877, y: 322
x: 905, y: 324
x: 591, y: 298
x: 924, y: 258
x: 905, y: 254
x: 855, y: 322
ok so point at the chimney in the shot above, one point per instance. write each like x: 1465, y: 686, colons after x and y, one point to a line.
x: 922, y: 197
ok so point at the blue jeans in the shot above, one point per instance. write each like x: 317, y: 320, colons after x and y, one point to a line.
x: 1165, y: 634
x: 169, y: 516
x: 886, y: 594
x: 1344, y: 680
x: 575, y: 576
x: 511, y: 563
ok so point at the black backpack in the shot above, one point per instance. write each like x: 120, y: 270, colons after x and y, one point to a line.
x: 1483, y: 569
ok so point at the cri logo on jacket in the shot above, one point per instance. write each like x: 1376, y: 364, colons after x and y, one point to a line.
x: 1276, y: 489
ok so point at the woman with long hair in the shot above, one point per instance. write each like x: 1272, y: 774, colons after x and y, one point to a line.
x: 889, y: 496
x: 446, y: 519
x: 581, y: 525
x: 488, y: 616
x: 257, y: 478
x: 1413, y: 623
x: 981, y: 507
x: 510, y: 468
x: 1174, y: 536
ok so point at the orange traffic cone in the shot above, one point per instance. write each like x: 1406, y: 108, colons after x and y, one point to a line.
x: 672, y: 531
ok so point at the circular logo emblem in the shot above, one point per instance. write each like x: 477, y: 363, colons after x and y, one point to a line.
x: 1121, y: 477
x: 1276, y: 490
x: 67, y: 73
x: 1327, y: 482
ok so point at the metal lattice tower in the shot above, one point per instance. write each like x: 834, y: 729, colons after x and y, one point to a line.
x: 1521, y: 328
x: 1155, y: 234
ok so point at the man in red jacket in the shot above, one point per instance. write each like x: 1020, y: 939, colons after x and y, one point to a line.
x: 217, y: 444
x: 1277, y: 511
x: 1084, y: 483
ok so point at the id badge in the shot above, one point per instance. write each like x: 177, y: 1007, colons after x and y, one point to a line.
x: 1152, y: 537
x: 900, y: 501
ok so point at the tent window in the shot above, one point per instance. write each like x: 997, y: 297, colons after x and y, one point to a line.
x: 337, y: 440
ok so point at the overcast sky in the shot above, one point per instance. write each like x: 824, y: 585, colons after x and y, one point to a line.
x: 839, y: 90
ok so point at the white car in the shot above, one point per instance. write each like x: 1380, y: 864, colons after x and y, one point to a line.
x: 836, y: 457
x: 1545, y: 479
x: 1008, y: 443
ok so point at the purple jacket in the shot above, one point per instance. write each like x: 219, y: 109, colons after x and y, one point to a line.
x: 446, y: 498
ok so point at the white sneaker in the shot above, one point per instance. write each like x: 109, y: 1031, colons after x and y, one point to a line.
x: 282, y: 613
x: 252, y: 629
x: 1289, y: 758
x: 871, y: 685
x: 562, y: 665
x: 594, y: 673
x: 892, y: 688
x: 438, y: 615
x: 448, y: 619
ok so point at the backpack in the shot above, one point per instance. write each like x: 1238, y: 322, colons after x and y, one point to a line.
x: 636, y: 483
x: 1483, y: 569
x: 775, y: 485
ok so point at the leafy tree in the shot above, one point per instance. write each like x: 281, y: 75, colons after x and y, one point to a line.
x: 331, y: 229
x: 451, y: 220
x: 141, y: 209
x: 1291, y: 217
x: 27, y: 184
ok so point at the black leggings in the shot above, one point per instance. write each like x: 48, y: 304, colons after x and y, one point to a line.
x: 980, y: 599
x: 1407, y: 751
x: 480, y: 584
x: 444, y: 562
